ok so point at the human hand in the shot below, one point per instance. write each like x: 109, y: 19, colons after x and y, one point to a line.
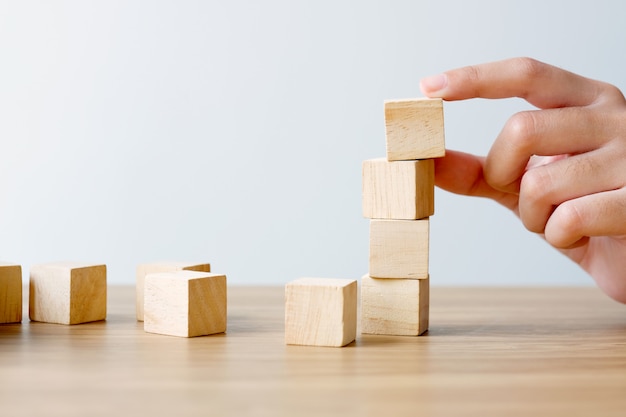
x: 561, y: 168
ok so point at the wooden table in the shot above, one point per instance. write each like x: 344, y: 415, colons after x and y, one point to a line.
x: 490, y: 352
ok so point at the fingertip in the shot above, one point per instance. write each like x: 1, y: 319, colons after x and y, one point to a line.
x: 433, y: 86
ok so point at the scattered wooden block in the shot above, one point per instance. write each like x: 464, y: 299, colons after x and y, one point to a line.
x: 185, y: 303
x: 394, y: 306
x: 154, y: 267
x: 398, y: 190
x: 320, y: 312
x: 68, y: 293
x: 10, y: 293
x: 414, y: 129
x: 399, y: 248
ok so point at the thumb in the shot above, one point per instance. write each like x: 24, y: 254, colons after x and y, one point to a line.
x: 462, y: 173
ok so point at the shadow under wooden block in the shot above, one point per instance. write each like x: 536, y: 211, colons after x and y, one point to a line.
x: 68, y: 293
x: 414, y: 129
x: 10, y: 293
x: 320, y: 312
x: 399, y: 248
x: 397, y: 307
x: 403, y: 190
x: 185, y: 303
x: 154, y: 267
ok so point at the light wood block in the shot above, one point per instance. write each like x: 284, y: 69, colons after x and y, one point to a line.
x: 320, y: 312
x: 394, y: 306
x: 154, y: 267
x: 414, y: 129
x: 68, y: 293
x: 10, y: 293
x: 185, y: 303
x: 399, y: 248
x: 398, y: 190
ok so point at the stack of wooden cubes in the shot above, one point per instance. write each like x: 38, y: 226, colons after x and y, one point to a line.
x: 398, y: 198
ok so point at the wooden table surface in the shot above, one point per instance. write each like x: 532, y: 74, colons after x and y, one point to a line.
x: 489, y: 352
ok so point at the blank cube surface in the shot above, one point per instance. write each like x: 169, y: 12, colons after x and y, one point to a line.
x: 403, y: 190
x: 68, y: 293
x: 10, y: 293
x: 320, y: 312
x: 185, y: 303
x: 394, y: 306
x: 399, y: 248
x: 414, y: 129
x: 150, y: 268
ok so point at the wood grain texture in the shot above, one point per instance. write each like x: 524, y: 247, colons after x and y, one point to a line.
x: 185, y: 303
x: 154, y: 267
x: 399, y: 248
x: 320, y: 312
x: 414, y: 129
x: 68, y: 293
x: 397, y: 307
x: 489, y: 352
x: 403, y: 190
x: 10, y: 293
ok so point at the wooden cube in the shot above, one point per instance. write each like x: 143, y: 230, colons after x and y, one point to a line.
x: 185, y: 303
x: 68, y: 293
x: 394, y: 306
x: 10, y: 293
x: 320, y: 312
x: 154, y: 267
x: 414, y: 129
x: 399, y: 248
x: 403, y: 190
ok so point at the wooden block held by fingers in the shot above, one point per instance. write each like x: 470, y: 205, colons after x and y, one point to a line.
x: 185, y: 303
x: 68, y: 293
x: 154, y: 267
x: 399, y: 248
x: 414, y: 129
x: 403, y: 190
x: 394, y: 306
x: 320, y: 312
x: 10, y: 293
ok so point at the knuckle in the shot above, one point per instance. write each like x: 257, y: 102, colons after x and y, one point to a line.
x: 520, y: 131
x: 472, y: 76
x: 567, y: 219
x: 534, y: 199
x: 472, y: 73
x: 613, y: 93
x: 536, y: 185
x: 529, y: 68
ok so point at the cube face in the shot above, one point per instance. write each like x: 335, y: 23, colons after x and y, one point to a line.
x: 414, y: 129
x: 185, y: 303
x: 403, y: 190
x: 156, y: 267
x: 399, y: 248
x: 10, y: 293
x: 88, y: 294
x: 397, y: 307
x: 207, y: 305
x: 320, y: 312
x: 67, y: 293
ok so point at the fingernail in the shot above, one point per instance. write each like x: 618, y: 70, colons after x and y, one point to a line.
x: 434, y: 83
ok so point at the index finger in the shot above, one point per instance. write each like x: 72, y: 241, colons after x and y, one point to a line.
x: 542, y: 85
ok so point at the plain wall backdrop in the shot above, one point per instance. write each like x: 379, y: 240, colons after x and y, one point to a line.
x: 233, y: 131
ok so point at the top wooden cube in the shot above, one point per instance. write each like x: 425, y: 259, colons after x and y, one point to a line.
x: 414, y: 129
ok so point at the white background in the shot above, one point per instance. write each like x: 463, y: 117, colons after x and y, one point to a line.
x: 233, y: 131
